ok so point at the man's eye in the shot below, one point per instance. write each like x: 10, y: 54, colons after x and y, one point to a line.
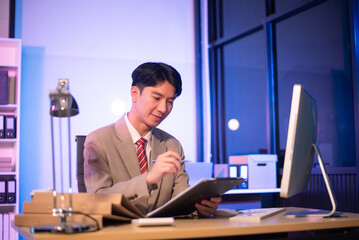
x: 156, y: 98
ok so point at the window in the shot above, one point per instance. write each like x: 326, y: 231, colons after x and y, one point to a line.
x: 313, y: 49
x: 245, y: 81
x: 258, y: 51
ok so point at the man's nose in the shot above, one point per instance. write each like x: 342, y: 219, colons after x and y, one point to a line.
x: 162, y: 107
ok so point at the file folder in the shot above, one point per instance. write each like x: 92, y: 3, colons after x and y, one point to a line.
x: 243, y: 173
x: 239, y: 171
x: 3, y: 87
x: 11, y: 93
x: 11, y: 191
x: 2, y: 126
x: 10, y: 126
x: 2, y: 191
x: 233, y: 173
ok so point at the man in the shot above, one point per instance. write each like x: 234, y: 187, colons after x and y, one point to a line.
x: 132, y: 156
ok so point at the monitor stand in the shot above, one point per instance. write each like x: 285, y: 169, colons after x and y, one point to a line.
x: 315, y: 212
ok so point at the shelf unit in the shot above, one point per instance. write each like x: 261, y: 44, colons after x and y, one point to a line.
x: 10, y: 61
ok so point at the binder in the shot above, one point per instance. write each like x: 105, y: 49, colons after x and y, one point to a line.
x: 10, y: 126
x: 2, y: 126
x: 3, y: 87
x: 11, y: 89
x: 11, y: 191
x: 2, y: 191
x: 243, y: 172
x: 240, y: 163
x: 233, y: 173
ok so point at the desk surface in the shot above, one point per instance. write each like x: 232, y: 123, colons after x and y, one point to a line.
x: 209, y: 227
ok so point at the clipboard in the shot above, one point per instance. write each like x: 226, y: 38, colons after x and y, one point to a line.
x: 183, y: 204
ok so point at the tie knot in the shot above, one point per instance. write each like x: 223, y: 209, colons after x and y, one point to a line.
x: 141, y: 141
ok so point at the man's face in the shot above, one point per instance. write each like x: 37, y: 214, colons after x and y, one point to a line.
x: 153, y: 104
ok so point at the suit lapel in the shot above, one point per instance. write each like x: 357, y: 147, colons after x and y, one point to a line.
x: 129, y: 156
x: 157, y: 145
x: 126, y: 148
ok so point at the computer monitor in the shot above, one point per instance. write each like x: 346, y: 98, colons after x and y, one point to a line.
x: 300, y: 148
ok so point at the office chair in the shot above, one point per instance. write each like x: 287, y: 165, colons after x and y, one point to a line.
x: 80, y: 163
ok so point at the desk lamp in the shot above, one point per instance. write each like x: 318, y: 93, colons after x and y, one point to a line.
x: 63, y: 105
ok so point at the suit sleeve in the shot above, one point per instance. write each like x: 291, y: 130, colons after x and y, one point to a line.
x: 97, y: 170
x: 181, y: 180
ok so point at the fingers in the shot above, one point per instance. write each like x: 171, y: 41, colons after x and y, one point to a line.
x: 166, y: 163
x: 172, y: 159
x: 170, y: 155
x: 166, y: 167
x: 173, y: 154
x: 208, y: 207
x: 204, y: 210
x: 216, y: 199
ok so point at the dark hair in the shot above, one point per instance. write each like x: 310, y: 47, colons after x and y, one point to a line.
x: 152, y: 74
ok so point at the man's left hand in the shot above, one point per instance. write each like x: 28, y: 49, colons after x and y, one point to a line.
x: 208, y: 207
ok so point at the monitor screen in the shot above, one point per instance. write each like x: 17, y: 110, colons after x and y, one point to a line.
x: 302, y: 134
x: 300, y: 149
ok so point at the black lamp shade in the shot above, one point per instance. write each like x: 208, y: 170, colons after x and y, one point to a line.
x: 63, y: 105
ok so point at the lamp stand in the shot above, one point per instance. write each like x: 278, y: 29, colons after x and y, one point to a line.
x: 62, y: 105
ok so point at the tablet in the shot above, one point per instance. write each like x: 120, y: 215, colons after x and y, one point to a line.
x: 183, y: 203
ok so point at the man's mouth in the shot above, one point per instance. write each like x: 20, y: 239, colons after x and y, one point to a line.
x: 158, y: 118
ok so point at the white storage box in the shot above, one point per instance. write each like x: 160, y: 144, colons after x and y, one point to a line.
x: 262, y: 171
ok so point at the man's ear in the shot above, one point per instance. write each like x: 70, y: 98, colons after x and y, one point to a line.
x: 135, y: 93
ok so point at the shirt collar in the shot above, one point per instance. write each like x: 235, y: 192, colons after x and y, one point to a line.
x: 134, y: 133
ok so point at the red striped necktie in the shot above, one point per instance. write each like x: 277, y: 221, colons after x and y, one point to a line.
x: 141, y: 154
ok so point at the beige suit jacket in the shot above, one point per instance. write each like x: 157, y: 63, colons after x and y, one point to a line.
x: 111, y: 166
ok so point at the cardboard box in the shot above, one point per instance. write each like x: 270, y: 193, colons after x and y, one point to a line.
x: 262, y: 171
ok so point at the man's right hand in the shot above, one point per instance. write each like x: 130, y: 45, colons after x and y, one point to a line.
x: 166, y: 163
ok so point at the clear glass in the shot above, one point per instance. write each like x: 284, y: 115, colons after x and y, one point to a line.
x: 283, y: 5
x: 240, y: 15
x: 245, y: 94
x: 313, y: 49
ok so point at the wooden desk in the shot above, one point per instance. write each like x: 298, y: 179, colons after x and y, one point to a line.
x: 210, y: 227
